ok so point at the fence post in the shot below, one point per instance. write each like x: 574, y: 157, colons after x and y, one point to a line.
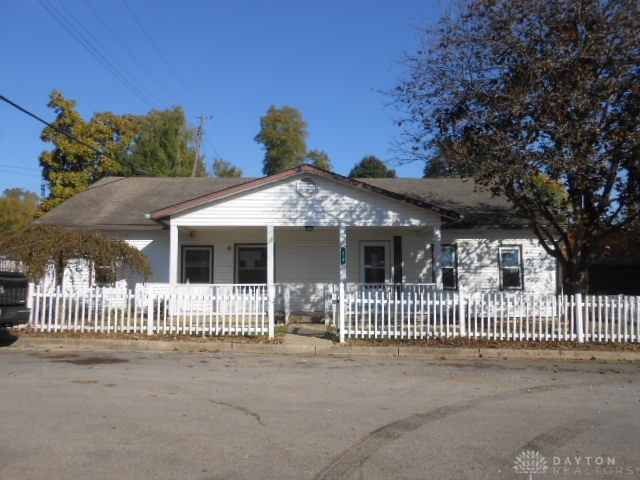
x: 327, y: 304
x: 287, y: 303
x: 579, y: 317
x: 270, y: 300
x: 30, y: 295
x: 461, y: 313
x: 149, y: 314
x: 341, y: 301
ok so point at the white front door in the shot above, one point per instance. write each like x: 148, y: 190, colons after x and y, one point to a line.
x: 375, y: 265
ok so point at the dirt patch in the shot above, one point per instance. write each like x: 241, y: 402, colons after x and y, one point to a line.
x: 464, y: 342
x: 92, y: 360
x: 58, y: 356
x: 260, y: 339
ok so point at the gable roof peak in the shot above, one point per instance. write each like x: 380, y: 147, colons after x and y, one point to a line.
x: 290, y: 173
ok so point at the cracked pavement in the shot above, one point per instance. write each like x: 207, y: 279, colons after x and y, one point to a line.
x: 105, y: 415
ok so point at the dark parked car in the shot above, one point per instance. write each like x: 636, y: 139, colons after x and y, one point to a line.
x: 13, y: 299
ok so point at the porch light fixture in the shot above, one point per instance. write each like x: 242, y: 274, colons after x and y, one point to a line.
x: 308, y: 228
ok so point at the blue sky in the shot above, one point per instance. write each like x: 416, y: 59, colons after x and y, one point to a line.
x: 231, y: 60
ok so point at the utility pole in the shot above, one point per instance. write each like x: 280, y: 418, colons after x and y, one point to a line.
x: 200, y: 133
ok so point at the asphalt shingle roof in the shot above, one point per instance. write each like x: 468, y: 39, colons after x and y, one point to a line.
x: 119, y: 201
x: 124, y: 201
x: 462, y: 195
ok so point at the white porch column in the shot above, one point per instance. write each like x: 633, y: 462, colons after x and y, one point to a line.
x: 437, y: 256
x: 271, y: 278
x: 343, y: 254
x: 343, y: 280
x: 173, y: 253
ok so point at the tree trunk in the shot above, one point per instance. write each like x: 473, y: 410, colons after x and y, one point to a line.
x: 575, y: 279
x: 59, y: 264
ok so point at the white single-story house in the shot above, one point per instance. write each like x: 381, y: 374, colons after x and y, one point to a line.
x: 309, y: 228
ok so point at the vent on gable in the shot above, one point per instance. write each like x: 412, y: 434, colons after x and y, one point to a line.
x: 306, y: 187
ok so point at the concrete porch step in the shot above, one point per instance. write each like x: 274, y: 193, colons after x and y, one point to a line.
x: 307, y: 334
x: 318, y: 330
x: 293, y: 339
x: 307, y: 317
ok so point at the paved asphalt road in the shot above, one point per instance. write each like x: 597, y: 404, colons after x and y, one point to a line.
x: 105, y: 415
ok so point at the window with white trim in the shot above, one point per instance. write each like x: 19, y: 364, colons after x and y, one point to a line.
x: 449, y: 267
x: 511, y: 270
x: 197, y: 264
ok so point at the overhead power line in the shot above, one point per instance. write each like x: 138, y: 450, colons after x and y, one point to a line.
x: 133, y: 57
x: 94, y: 49
x: 26, y: 169
x: 134, y: 169
x: 24, y: 174
x: 213, y: 148
x: 159, y: 52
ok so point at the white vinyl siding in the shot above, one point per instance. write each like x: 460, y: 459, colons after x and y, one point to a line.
x: 281, y: 204
x: 478, y: 259
x: 155, y: 245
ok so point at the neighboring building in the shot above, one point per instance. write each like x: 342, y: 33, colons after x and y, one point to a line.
x: 307, y: 228
x: 618, y: 271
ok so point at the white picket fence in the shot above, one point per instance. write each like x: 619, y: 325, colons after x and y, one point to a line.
x: 219, y: 310
x: 390, y: 312
x: 396, y: 313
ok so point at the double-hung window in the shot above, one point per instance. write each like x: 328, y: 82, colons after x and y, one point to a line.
x: 197, y: 264
x: 511, y: 271
x: 449, y: 267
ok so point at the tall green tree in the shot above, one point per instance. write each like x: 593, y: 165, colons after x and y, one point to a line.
x: 223, y: 168
x: 17, y: 208
x: 439, y: 164
x: 319, y: 158
x: 283, y: 135
x: 72, y: 167
x: 165, y: 144
x: 160, y: 143
x: 371, y: 167
x: 540, y: 101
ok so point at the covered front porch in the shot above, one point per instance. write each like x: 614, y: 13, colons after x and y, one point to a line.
x: 305, y: 262
x: 304, y: 228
